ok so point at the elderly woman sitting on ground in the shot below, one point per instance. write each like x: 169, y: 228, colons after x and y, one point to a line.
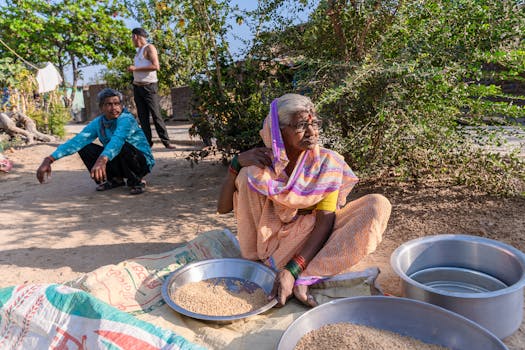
x: 290, y: 204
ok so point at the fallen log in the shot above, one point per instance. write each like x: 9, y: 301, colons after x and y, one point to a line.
x: 18, y: 123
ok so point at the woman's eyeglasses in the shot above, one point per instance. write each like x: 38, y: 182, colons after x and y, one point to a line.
x: 302, y: 126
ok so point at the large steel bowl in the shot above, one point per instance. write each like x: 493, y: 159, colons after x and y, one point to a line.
x: 227, y: 270
x: 479, y: 278
x: 428, y: 323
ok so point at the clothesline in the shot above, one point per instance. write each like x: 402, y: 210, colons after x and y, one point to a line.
x: 47, y: 78
x: 17, y: 55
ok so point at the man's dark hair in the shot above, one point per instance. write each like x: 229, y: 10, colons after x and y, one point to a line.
x: 107, y: 92
x: 140, y: 32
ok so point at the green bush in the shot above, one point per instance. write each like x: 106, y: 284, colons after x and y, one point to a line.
x: 231, y: 111
x: 399, y: 110
x: 52, y: 122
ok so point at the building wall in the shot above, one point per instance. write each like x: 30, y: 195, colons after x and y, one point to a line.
x: 181, y: 108
x: 90, y: 100
x: 181, y: 102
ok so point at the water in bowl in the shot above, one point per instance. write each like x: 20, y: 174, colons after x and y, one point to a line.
x: 456, y: 279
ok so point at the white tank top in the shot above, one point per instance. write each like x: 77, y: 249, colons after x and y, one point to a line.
x: 141, y: 61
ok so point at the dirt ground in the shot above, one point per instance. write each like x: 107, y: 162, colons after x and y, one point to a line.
x: 57, y: 231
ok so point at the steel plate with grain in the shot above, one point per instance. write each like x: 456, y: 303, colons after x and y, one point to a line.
x: 423, y: 321
x: 229, y: 270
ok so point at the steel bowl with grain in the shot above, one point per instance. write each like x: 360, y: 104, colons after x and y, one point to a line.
x: 412, y: 318
x: 235, y: 273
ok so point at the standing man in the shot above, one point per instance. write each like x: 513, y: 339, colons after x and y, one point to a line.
x: 145, y: 86
x: 123, y: 155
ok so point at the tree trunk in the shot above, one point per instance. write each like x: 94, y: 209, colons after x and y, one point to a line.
x: 71, y: 98
x: 334, y: 13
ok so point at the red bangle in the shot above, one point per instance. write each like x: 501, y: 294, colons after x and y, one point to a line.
x: 233, y: 171
x: 50, y: 159
x: 301, y: 261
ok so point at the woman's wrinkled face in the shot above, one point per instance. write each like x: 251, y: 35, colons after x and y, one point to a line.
x: 302, y: 133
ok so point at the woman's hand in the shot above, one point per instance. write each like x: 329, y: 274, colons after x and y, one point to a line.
x: 260, y: 157
x: 301, y: 293
x: 282, y: 287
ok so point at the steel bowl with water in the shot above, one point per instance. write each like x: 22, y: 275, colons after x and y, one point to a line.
x: 234, y: 272
x: 425, y: 322
x: 479, y: 278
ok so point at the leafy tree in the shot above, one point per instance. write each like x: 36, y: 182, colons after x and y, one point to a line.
x: 233, y: 113
x: 66, y: 33
x: 11, y: 73
x: 188, y: 34
x: 17, y: 83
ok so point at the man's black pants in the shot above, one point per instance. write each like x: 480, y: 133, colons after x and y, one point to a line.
x: 130, y: 163
x: 147, y: 101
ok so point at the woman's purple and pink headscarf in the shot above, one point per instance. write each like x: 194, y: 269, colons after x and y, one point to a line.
x: 318, y: 171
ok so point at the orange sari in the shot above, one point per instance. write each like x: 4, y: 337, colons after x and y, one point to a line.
x: 266, y: 203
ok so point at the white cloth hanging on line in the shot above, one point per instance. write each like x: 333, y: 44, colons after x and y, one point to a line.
x: 48, y: 78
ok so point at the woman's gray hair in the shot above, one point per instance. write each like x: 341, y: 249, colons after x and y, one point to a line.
x: 289, y: 105
x: 107, y: 92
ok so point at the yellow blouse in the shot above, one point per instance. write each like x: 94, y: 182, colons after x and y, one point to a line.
x: 328, y: 203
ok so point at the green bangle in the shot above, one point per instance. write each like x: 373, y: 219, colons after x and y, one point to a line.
x: 235, y: 163
x: 294, y: 268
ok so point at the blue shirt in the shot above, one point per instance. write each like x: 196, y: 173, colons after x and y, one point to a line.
x: 112, y: 134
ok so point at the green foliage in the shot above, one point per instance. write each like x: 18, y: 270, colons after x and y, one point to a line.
x: 64, y: 33
x: 116, y: 74
x: 391, y: 117
x: 10, y: 72
x: 396, y: 81
x: 52, y: 121
x: 396, y: 112
x: 233, y: 113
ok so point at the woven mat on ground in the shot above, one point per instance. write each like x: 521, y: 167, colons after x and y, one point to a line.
x: 134, y: 286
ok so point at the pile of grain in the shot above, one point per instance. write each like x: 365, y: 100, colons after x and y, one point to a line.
x: 210, y: 299
x: 359, y: 337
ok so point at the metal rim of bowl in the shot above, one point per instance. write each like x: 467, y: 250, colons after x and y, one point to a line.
x: 394, y: 262
x: 422, y: 304
x: 183, y: 311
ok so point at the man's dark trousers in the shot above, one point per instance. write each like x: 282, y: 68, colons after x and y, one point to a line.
x: 130, y: 163
x: 147, y: 101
